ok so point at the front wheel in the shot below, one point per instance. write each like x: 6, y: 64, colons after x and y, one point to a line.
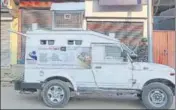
x: 157, y: 96
x: 56, y: 93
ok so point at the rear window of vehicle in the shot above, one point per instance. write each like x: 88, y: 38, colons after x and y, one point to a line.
x: 42, y: 42
x: 50, y: 42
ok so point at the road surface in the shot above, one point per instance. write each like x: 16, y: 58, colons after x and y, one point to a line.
x: 11, y: 99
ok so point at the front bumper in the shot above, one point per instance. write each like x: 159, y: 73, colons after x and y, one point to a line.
x: 21, y: 85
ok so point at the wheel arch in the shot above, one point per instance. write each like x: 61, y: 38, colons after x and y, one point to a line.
x: 71, y: 83
x: 164, y: 81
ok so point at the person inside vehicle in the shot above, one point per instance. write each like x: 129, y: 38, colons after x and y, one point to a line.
x: 142, y: 50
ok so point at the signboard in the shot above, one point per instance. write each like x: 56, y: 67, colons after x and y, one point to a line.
x: 35, y: 4
x: 122, y: 2
x: 59, y: 57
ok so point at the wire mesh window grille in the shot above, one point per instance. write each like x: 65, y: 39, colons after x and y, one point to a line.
x: 112, y: 52
x: 68, y: 19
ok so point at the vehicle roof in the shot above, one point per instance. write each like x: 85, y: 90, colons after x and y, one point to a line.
x: 85, y: 32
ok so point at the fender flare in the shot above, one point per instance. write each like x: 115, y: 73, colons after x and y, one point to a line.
x: 71, y: 80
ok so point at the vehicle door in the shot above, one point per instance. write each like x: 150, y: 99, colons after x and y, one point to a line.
x: 109, y: 67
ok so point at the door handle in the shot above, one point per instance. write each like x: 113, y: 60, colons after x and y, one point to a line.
x: 98, y: 67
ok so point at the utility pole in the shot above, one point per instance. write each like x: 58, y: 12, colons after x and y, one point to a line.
x: 150, y: 30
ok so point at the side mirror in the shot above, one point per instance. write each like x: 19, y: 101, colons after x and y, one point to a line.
x: 133, y: 56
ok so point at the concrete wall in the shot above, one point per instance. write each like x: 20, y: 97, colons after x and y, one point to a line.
x: 93, y: 9
x: 5, y: 38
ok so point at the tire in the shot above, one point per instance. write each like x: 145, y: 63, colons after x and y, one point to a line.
x: 165, y: 91
x: 61, y: 85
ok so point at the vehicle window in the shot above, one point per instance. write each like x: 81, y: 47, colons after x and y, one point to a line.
x: 50, y: 42
x: 70, y: 42
x: 63, y: 48
x: 42, y: 42
x: 78, y: 42
x: 112, y: 52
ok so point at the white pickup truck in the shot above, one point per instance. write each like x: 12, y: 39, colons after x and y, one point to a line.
x: 59, y: 63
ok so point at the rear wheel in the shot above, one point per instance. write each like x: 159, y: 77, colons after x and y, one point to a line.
x: 157, y: 96
x: 56, y: 93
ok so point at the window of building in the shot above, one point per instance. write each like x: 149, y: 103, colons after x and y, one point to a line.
x: 67, y: 19
x: 163, y: 14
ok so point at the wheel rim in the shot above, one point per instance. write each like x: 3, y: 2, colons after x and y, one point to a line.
x: 55, y: 94
x: 157, y: 97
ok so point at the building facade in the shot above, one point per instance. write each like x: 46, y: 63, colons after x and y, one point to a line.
x: 126, y: 21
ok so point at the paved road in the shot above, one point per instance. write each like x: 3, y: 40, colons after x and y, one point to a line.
x: 11, y: 99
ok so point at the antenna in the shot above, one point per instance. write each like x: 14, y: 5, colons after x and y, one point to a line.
x: 19, y: 33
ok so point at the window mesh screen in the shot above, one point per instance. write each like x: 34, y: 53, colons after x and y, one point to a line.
x: 68, y: 20
x: 112, y: 52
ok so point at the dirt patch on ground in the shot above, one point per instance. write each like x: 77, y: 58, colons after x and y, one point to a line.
x: 11, y: 73
x: 6, y: 84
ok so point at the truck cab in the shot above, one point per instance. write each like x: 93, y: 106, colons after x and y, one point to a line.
x: 59, y: 63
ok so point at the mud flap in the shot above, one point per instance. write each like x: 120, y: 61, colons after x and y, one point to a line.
x: 17, y: 85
